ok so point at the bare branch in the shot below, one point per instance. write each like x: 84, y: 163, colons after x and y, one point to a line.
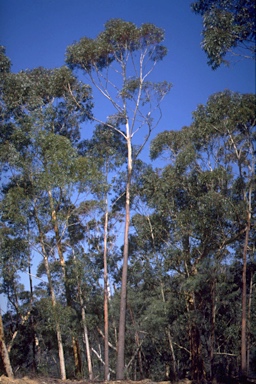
x: 101, y: 360
x: 103, y: 336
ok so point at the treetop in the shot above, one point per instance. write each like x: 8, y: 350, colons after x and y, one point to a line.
x: 118, y: 37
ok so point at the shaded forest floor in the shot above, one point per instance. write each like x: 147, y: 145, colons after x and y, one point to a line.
x: 46, y: 380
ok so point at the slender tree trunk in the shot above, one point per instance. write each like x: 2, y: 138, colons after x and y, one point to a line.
x: 34, y: 347
x: 86, y: 338
x: 243, y: 325
x: 244, y: 296
x: 87, y: 345
x: 59, y: 245
x: 64, y: 272
x: 4, y: 352
x: 122, y: 318
x: 174, y: 364
x: 57, y: 325
x: 106, y: 326
x: 213, y: 320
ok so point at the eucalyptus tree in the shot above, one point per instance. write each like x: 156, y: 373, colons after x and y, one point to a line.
x: 109, y: 151
x: 5, y: 66
x: 206, y: 192
x: 229, y: 28
x: 118, y: 63
x: 43, y: 117
x: 230, y: 119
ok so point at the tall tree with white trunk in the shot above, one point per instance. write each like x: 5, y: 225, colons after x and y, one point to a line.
x: 118, y: 64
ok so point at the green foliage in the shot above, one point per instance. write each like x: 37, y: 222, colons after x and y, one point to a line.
x: 227, y: 25
x: 119, y: 36
x: 204, y: 195
x: 107, y: 146
x: 40, y: 86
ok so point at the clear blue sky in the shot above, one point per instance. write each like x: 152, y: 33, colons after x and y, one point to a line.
x: 37, y: 32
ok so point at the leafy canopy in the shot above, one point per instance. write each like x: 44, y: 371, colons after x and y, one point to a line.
x: 119, y: 36
x: 229, y: 26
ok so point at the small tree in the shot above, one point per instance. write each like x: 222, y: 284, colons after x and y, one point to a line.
x: 118, y: 64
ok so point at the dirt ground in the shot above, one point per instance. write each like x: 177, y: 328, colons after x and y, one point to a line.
x: 43, y: 380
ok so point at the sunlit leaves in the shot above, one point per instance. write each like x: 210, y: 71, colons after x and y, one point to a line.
x: 54, y: 96
x: 203, y: 190
x: 228, y: 27
x: 170, y: 143
x: 118, y: 39
x: 228, y: 121
x: 119, y: 35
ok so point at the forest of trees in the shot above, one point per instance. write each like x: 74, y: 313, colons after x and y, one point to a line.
x: 142, y: 272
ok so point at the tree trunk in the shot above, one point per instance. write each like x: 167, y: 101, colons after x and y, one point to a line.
x: 87, y: 345
x: 122, y: 318
x: 59, y: 246
x: 34, y: 347
x: 174, y: 364
x: 57, y: 325
x: 77, y: 356
x: 64, y: 272
x: 61, y: 351
x: 244, y: 296
x: 106, y: 327
x: 243, y: 325
x: 4, y: 352
x: 213, y: 320
x: 86, y: 338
